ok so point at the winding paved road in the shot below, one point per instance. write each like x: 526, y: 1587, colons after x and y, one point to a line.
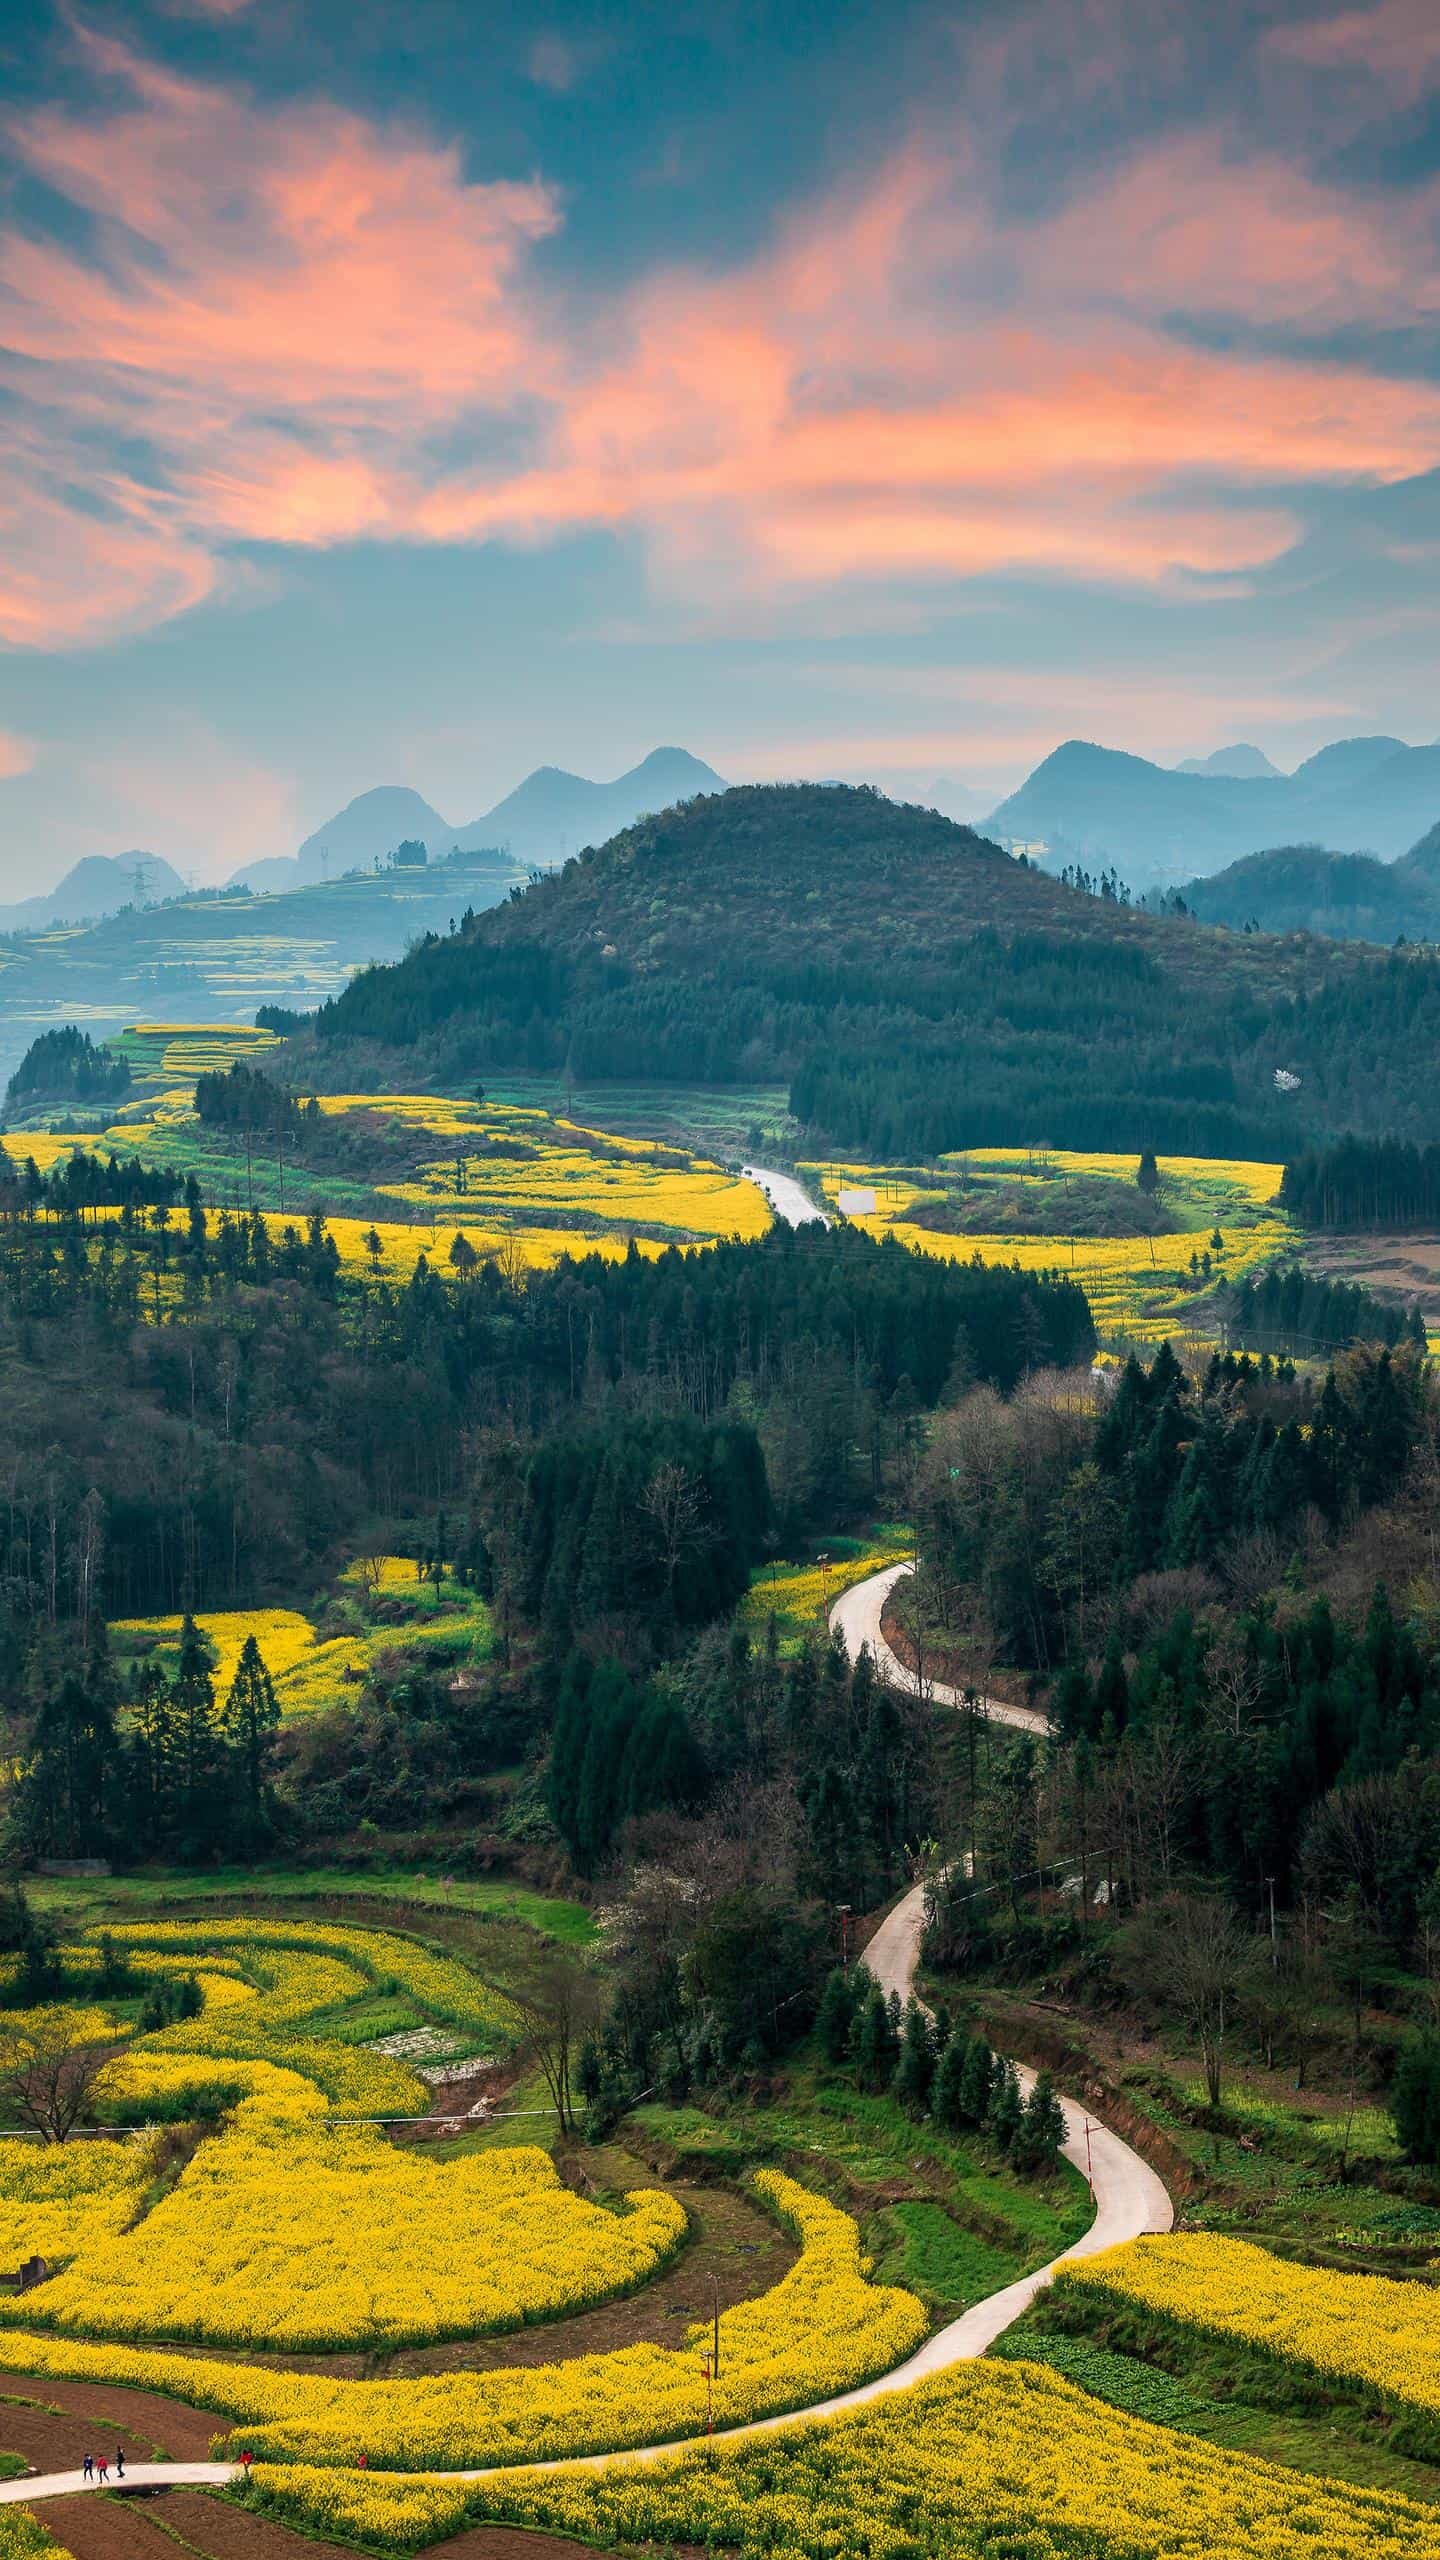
x: 788, y: 1198
x: 856, y: 1616
x: 1129, y: 2199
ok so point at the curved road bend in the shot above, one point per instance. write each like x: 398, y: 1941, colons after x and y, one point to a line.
x: 1129, y: 2199
x: 788, y: 1198
x: 856, y: 1616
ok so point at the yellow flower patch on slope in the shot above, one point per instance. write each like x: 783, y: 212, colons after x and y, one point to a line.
x: 282, y: 2237
x: 1376, y: 2331
x: 822, y: 2328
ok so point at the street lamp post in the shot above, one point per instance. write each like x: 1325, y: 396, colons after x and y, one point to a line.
x: 843, y: 1910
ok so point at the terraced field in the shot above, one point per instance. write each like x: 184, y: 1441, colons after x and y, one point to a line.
x: 1045, y: 1209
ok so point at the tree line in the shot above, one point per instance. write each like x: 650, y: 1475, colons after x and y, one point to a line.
x: 1290, y: 1309
x: 1360, y: 1182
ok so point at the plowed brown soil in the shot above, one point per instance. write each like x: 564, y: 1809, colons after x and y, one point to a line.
x: 95, y: 2527
x: 145, y: 2422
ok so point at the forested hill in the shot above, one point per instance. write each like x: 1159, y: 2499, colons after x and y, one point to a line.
x: 918, y: 987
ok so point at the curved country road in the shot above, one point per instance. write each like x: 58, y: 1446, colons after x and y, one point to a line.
x: 856, y: 1616
x: 789, y: 1199
x: 1129, y: 2199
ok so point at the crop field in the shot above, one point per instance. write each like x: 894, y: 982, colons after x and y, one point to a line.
x: 306, y: 2283
x: 799, y: 1596
x: 291, y: 2229
x: 510, y: 1179
x: 1011, y: 1204
x: 1379, y: 2333
x: 313, y: 1672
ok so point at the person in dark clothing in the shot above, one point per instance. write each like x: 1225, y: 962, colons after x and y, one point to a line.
x: 88, y: 2467
x: 119, y: 2462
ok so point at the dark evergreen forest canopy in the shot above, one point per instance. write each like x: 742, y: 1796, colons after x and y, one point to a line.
x: 66, y: 1066
x: 1300, y: 1311
x: 1364, y: 1183
x: 919, y: 988
x: 225, y: 1436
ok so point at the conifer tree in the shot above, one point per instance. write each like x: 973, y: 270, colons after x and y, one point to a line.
x: 836, y: 2016
x: 915, y: 2070
x: 947, y: 2098
x: 977, y: 2079
x: 199, y: 1749
x: 873, y: 2043
x: 251, y: 1722
x: 1040, y: 2136
x: 1006, y: 2110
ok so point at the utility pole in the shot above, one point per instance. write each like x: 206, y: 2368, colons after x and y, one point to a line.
x: 1274, y: 1947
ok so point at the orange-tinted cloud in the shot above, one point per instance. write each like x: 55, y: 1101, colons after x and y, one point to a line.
x: 312, y: 329
x: 16, y: 755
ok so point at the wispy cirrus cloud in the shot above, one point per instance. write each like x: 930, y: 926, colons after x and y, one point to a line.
x: 301, y: 327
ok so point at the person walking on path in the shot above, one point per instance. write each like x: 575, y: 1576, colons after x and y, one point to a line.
x: 119, y: 2462
x: 88, y: 2468
x: 103, y: 2467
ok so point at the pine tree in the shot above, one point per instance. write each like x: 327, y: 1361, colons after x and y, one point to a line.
x: 1006, y: 2111
x: 836, y: 2016
x: 199, y: 1750
x: 977, y: 2079
x: 155, y: 1752
x: 873, y: 2044
x: 1040, y: 2136
x: 947, y: 2096
x: 251, y: 1722
x: 915, y: 2070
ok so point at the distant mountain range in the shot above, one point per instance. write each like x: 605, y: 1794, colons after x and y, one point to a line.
x: 99, y: 886
x: 549, y: 815
x: 1233, y: 764
x: 1158, y: 825
x: 915, y: 988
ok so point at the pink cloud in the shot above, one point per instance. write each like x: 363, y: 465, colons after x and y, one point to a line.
x: 1394, y: 46
x: 16, y: 755
x: 297, y: 314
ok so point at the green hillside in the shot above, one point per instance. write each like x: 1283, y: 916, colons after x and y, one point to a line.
x: 916, y: 987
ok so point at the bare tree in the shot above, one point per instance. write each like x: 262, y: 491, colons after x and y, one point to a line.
x: 45, y: 2077
x: 1187, y: 1952
x: 558, y: 1995
x: 1236, y: 1686
x: 673, y: 1502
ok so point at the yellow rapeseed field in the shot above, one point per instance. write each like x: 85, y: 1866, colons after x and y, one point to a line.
x: 58, y: 2197
x: 822, y: 2328
x: 1136, y: 1285
x: 307, y: 1966
x: 1377, y: 2331
x: 282, y: 2235
x: 991, y: 2459
x: 799, y: 1595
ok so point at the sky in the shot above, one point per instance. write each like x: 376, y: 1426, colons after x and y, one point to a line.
x: 422, y: 390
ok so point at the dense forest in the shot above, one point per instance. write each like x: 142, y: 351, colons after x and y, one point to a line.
x: 917, y: 987
x: 65, y: 1067
x: 1290, y: 1309
x: 198, y: 1408
x: 1364, y: 1183
x: 1035, y: 1513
